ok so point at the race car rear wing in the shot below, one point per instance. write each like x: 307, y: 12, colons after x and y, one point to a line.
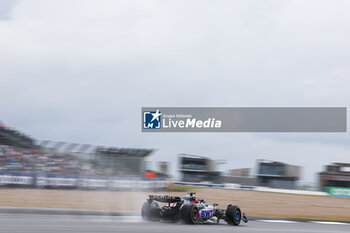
x: 166, y: 199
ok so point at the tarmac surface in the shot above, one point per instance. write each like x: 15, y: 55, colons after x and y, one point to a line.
x: 36, y: 223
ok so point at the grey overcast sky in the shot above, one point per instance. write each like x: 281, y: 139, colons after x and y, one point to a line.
x: 80, y: 71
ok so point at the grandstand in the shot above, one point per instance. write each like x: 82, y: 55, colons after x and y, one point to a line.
x: 25, y: 162
x: 12, y: 137
x: 194, y: 168
x: 335, y: 175
x: 122, y: 161
x: 276, y: 174
x: 21, y: 153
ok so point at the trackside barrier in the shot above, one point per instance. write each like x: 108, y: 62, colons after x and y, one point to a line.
x: 222, y: 186
x: 200, y: 184
x: 35, y: 180
x: 291, y: 191
x: 253, y: 188
x: 338, y: 191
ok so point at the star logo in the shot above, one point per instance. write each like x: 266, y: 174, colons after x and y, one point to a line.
x: 156, y: 115
x: 152, y: 119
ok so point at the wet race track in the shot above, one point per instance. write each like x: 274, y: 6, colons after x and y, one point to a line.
x: 36, y: 223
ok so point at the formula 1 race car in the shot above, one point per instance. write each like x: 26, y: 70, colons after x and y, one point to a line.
x: 190, y: 210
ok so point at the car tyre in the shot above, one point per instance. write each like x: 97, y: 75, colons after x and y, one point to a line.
x: 148, y: 213
x: 190, y: 214
x: 233, y: 215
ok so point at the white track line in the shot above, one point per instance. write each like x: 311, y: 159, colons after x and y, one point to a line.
x: 277, y: 221
x: 331, y: 223
x: 131, y: 219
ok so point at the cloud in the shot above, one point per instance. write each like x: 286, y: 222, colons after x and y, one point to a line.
x: 6, y: 7
x: 80, y: 71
